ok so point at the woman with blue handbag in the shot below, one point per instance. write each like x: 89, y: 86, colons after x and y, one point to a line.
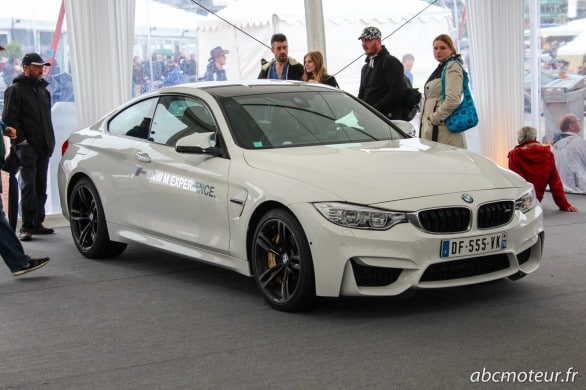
x: 443, y: 93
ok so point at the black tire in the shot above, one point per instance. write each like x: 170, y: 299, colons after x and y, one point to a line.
x: 88, y: 224
x: 282, y: 263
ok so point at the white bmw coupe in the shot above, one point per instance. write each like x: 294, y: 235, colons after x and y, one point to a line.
x: 301, y: 186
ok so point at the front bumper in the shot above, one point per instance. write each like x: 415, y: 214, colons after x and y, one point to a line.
x: 355, y: 262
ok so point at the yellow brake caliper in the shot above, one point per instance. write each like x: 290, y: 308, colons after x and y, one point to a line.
x: 271, y: 257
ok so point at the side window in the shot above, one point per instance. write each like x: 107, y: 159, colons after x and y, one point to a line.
x: 134, y: 121
x: 178, y: 116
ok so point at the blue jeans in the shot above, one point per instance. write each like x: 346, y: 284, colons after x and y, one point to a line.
x: 33, y: 186
x: 10, y: 247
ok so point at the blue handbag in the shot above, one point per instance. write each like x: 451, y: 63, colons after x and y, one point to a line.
x: 465, y: 116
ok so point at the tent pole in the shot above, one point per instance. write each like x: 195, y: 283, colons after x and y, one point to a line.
x: 314, y: 24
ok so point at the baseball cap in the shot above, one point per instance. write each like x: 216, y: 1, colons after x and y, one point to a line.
x: 370, y: 33
x: 218, y: 51
x: 34, y: 59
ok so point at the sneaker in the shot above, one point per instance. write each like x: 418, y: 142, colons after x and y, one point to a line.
x: 43, y: 230
x: 32, y: 265
x: 25, y: 236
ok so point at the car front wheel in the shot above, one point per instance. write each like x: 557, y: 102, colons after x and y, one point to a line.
x: 88, y: 224
x: 282, y: 263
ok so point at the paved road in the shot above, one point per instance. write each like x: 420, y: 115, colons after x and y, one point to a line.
x: 151, y: 320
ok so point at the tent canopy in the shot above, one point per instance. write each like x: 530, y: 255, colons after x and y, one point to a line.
x: 164, y: 20
x: 30, y: 14
x: 574, y: 51
x: 570, y: 29
x: 41, y: 15
x: 343, y: 23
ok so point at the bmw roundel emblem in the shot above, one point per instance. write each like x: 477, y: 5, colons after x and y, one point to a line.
x: 467, y: 198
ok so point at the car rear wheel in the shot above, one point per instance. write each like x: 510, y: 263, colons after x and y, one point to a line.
x: 88, y: 224
x: 282, y: 263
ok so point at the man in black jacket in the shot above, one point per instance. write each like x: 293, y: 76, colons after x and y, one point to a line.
x: 381, y: 81
x: 27, y: 107
x: 282, y: 67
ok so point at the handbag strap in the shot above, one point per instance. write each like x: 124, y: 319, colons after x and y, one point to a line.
x: 466, y: 89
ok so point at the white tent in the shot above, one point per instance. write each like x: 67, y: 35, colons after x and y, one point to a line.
x: 570, y: 29
x: 37, y: 15
x: 41, y: 15
x: 343, y: 23
x: 164, y: 20
x: 574, y: 51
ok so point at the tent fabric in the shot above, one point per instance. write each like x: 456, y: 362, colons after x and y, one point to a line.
x: 497, y: 84
x: 574, y: 51
x: 115, y: 55
x: 169, y: 21
x: 343, y: 23
x: 40, y: 15
x: 570, y: 29
x: 336, y: 11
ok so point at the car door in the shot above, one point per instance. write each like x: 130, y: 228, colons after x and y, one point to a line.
x: 181, y: 197
x: 114, y: 162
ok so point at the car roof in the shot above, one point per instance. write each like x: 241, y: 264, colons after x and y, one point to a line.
x: 249, y: 87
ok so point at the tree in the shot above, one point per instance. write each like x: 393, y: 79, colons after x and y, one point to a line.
x: 13, y: 51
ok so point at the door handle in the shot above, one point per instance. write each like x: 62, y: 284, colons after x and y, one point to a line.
x: 143, y: 157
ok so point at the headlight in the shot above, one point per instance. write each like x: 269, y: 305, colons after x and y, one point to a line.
x: 359, y: 217
x: 527, y: 201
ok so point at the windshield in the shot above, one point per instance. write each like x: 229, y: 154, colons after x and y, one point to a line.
x: 288, y: 119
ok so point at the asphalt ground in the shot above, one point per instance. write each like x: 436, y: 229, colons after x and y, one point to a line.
x: 151, y: 320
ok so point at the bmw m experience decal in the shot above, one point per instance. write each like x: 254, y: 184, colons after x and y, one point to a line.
x: 180, y: 182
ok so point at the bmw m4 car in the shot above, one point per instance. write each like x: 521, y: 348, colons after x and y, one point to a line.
x: 300, y: 186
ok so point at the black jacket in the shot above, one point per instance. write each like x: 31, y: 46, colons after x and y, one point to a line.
x: 212, y: 70
x: 294, y: 70
x: 27, y: 108
x: 381, y: 85
x: 331, y: 80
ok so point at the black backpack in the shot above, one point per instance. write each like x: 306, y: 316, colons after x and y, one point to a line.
x: 411, y: 100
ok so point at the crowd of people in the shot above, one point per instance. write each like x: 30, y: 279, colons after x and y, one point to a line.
x: 162, y: 71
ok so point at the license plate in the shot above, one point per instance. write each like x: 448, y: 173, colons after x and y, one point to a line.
x: 473, y: 245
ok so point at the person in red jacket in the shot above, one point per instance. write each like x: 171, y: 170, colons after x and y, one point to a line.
x: 536, y: 164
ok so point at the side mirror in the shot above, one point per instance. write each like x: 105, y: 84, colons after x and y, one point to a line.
x: 405, y: 127
x: 199, y: 143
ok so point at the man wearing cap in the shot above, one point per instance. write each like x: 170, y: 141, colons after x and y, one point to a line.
x: 381, y: 81
x: 27, y: 107
x: 215, y: 70
x: 11, y: 249
x: 282, y: 67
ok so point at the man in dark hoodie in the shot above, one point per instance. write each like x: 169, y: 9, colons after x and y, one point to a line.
x: 27, y: 107
x: 536, y: 164
x: 381, y: 80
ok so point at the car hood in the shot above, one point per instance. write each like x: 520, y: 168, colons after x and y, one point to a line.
x: 384, y: 171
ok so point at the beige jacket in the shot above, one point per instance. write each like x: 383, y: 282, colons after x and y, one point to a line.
x: 435, y: 111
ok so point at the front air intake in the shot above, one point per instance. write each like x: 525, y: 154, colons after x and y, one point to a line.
x: 369, y: 276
